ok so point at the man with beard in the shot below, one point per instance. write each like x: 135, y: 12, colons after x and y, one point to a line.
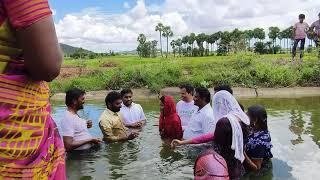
x: 111, y: 123
x: 132, y: 113
x: 74, y: 129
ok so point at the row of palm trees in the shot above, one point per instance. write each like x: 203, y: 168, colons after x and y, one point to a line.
x: 225, y: 41
x: 166, y: 32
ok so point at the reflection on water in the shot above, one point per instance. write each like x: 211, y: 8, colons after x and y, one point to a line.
x: 294, y: 125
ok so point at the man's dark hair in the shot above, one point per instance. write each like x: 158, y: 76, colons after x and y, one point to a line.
x: 223, y: 87
x: 72, y: 95
x: 189, y: 88
x: 126, y: 91
x: 302, y: 16
x: 112, y: 97
x: 204, y: 93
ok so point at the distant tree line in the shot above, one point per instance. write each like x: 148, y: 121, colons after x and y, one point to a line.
x: 280, y: 41
x: 81, y: 53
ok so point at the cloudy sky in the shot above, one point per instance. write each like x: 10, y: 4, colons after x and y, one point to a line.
x: 102, y: 25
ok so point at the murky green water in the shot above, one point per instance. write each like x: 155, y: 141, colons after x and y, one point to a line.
x: 294, y: 126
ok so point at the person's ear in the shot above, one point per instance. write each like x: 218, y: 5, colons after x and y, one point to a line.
x: 74, y: 102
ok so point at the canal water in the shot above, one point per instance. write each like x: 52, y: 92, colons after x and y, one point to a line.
x: 294, y: 125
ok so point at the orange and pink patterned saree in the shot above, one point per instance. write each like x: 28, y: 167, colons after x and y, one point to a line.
x: 30, y: 144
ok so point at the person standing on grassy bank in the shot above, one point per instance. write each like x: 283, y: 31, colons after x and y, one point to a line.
x: 74, y: 129
x: 315, y: 29
x: 132, y: 113
x: 202, y: 121
x: 186, y: 107
x: 111, y: 122
x: 300, y: 30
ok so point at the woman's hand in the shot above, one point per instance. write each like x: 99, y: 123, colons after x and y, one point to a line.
x: 176, y: 143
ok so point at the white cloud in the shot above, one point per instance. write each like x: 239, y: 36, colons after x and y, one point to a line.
x: 54, y: 12
x: 100, y: 31
x: 126, y: 5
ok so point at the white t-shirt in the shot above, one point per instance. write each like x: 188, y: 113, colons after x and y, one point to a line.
x: 202, y: 122
x: 73, y: 126
x: 185, y: 110
x: 132, y: 114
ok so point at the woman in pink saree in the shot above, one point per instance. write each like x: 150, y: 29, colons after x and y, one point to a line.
x: 30, y: 145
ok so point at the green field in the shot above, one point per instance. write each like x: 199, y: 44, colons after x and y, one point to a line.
x: 242, y: 70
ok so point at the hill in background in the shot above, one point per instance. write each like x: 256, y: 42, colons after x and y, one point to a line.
x: 67, y: 49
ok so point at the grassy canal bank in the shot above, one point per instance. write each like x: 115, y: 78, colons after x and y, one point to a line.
x: 241, y: 70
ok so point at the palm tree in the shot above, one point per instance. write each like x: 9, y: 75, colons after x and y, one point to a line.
x: 159, y: 28
x: 281, y: 36
x: 211, y: 40
x: 200, y: 38
x: 258, y: 33
x: 173, y: 45
x: 154, y: 48
x: 185, y: 41
x: 249, y: 35
x: 167, y: 32
x: 142, y: 40
x: 273, y: 34
x: 191, y: 40
x: 179, y: 44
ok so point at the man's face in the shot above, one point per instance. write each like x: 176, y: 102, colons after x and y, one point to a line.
x: 80, y: 102
x: 184, y: 95
x: 301, y: 20
x: 127, y: 99
x: 116, y: 105
x: 197, y: 100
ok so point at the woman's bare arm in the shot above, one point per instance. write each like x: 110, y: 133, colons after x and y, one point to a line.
x: 41, y: 50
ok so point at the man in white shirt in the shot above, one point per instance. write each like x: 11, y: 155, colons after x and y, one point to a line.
x: 202, y: 122
x: 132, y: 113
x: 74, y: 129
x: 185, y: 107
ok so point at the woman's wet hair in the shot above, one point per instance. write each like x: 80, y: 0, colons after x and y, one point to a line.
x: 259, y: 114
x: 73, y: 95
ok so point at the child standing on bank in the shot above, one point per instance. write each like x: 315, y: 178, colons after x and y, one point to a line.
x: 300, y: 30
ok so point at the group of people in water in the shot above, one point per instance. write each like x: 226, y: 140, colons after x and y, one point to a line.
x: 240, y: 141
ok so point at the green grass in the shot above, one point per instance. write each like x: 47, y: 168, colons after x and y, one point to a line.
x: 243, y: 70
